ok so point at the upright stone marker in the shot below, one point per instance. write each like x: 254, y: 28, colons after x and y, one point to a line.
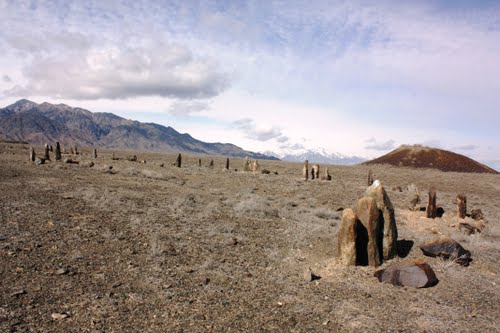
x: 431, y: 206
x: 58, y: 152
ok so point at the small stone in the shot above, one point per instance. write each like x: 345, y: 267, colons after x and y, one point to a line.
x: 309, y: 276
x: 59, y: 315
x: 477, y: 214
x: 18, y: 292
x: 468, y: 228
x: 62, y: 271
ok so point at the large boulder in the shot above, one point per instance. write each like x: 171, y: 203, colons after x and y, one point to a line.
x: 409, y: 273
x: 447, y: 248
x: 368, y: 234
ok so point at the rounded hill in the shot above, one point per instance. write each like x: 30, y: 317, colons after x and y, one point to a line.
x: 418, y: 156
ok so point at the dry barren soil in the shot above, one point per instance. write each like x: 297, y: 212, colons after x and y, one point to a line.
x: 145, y: 248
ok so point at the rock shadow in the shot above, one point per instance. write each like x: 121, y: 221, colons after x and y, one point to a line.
x: 404, y: 247
x: 440, y: 212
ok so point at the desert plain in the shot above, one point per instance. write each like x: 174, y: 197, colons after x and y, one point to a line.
x: 141, y: 247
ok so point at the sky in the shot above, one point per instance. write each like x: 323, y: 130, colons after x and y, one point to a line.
x: 351, y: 77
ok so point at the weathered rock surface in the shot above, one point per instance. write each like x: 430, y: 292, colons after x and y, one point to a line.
x: 461, y: 206
x: 368, y: 233
x: 477, y: 214
x: 468, y: 228
x: 388, y: 222
x: 447, y: 248
x: 305, y: 170
x: 58, y: 151
x: 413, y: 197
x: 408, y: 273
x: 431, y: 206
x: 346, y: 243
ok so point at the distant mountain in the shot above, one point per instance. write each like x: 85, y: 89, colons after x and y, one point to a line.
x: 418, y: 156
x: 320, y: 156
x: 48, y: 123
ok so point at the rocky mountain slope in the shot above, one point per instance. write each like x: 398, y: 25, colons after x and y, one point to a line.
x: 418, y: 156
x: 45, y: 122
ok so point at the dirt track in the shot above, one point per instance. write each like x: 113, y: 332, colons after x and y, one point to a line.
x: 145, y: 248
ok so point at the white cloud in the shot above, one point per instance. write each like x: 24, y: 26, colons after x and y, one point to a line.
x: 373, y: 144
x: 260, y: 133
x: 187, y: 108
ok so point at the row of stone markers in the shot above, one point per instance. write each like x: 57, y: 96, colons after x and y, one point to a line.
x: 58, y: 155
x: 368, y: 236
x: 314, y: 172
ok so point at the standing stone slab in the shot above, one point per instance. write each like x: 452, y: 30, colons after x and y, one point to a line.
x: 199, y: 162
x: 327, y: 175
x: 94, y: 153
x: 346, y: 238
x: 408, y: 273
x: 178, y: 161
x: 370, y: 177
x: 211, y: 164
x: 58, y: 152
x: 32, y: 154
x: 47, y: 153
x: 227, y: 163
x: 388, y: 220
x: 305, y: 170
x: 413, y: 197
x: 247, y: 165
x: 461, y: 206
x: 368, y: 232
x: 431, y: 206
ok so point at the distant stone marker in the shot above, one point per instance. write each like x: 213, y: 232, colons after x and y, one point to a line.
x: 47, y: 153
x: 461, y: 206
x: 178, y: 161
x: 327, y: 175
x: 255, y: 166
x: 305, y: 170
x: 227, y: 163
x: 76, y: 150
x: 199, y: 162
x: 408, y: 273
x: 431, y: 206
x: 58, y: 151
x: 247, y: 165
x: 32, y: 154
x: 370, y: 177
x: 414, y: 197
x: 211, y: 164
x: 315, y: 171
x: 94, y: 153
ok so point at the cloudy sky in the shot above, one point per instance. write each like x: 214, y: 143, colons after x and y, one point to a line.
x: 355, y: 77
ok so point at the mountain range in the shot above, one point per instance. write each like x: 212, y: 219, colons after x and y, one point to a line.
x: 47, y: 123
x: 319, y: 155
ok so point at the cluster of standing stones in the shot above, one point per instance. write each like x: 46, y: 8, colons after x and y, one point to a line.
x: 368, y: 234
x: 58, y: 155
x: 315, y: 172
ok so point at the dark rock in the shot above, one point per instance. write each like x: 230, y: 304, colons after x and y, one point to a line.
x: 132, y: 158
x: 461, y: 206
x: 70, y: 161
x: 408, y: 273
x: 447, y: 248
x: 477, y: 214
x: 178, y: 161
x: 265, y: 172
x: 431, y: 206
x: 468, y: 228
x: 39, y: 161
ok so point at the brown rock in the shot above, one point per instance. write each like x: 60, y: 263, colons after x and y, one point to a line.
x: 211, y: 164
x: 70, y: 161
x: 47, y: 152
x: 431, y: 206
x: 39, y: 161
x: 409, y: 273
x: 178, y: 161
x: 255, y: 166
x: 368, y: 241
x: 315, y: 171
x: 370, y: 177
x: 305, y: 170
x: 461, y: 206
x: 227, y: 163
x: 94, y: 153
x: 477, y: 214
x: 346, y: 238
x: 132, y: 158
x: 247, y: 165
x: 468, y: 228
x: 447, y: 248
x: 327, y: 175
x: 387, y: 222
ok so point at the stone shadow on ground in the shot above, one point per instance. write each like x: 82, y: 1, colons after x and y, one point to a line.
x: 404, y: 247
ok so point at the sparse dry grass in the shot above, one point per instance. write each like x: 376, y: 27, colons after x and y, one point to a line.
x: 208, y: 250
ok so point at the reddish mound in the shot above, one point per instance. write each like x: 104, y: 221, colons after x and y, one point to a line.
x: 425, y: 157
